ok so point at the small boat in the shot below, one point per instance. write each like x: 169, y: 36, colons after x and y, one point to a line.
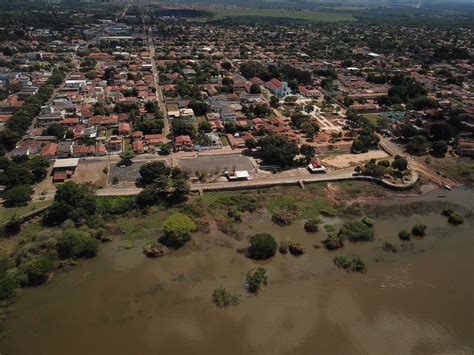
x: 447, y: 187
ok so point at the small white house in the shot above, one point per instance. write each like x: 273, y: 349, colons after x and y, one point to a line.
x: 237, y: 175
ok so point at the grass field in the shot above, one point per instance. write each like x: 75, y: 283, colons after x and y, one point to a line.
x: 311, y: 16
x: 7, y: 214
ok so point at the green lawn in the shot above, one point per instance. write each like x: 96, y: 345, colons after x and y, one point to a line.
x: 312, y: 16
x: 224, y: 140
x: 7, y: 214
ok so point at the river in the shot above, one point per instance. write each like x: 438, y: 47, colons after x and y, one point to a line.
x: 416, y: 301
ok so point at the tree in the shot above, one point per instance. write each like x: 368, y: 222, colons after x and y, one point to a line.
x: 56, y: 130
x: 250, y: 143
x: 441, y: 131
x: 262, y: 246
x: 199, y: 107
x: 72, y: 201
x: 307, y: 150
x: 18, y: 195
x: 150, y: 172
x: 37, y: 269
x: 39, y: 167
x: 400, y: 163
x: 75, y: 243
x: 151, y: 106
x: 183, y: 127
x: 261, y: 110
x: 226, y: 65
x: 126, y: 156
x: 439, y: 148
x: 274, y: 101
x: 255, y: 89
x: 177, y: 230
x: 298, y: 118
x: 418, y: 145
x: 277, y: 149
x: 227, y: 81
x: 205, y: 127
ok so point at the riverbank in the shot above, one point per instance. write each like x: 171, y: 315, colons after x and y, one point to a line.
x: 166, y: 303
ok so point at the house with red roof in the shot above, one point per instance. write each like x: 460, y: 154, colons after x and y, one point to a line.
x: 49, y: 150
x: 183, y: 143
x: 138, y: 147
x: 236, y: 142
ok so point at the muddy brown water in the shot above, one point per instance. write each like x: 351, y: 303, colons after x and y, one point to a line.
x: 417, y: 301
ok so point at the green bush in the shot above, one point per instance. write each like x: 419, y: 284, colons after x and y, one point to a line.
x: 354, y: 263
x: 404, y: 235
x: 342, y: 262
x: 447, y: 212
x: 419, y: 230
x: 455, y: 219
x: 285, y: 216
x: 8, y: 286
x: 18, y: 195
x: 262, y: 246
x: 223, y: 298
x: 255, y: 278
x: 77, y: 244
x: 358, y: 265
x: 284, y: 245
x: 37, y: 269
x: 177, y: 228
x: 357, y: 230
x: 235, y: 214
x: 312, y: 225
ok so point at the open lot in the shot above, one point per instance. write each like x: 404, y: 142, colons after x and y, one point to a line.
x: 127, y: 174
x: 215, y: 164
x: 347, y: 160
x: 90, y: 171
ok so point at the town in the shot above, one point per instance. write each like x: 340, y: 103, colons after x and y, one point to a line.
x: 236, y: 176
x: 270, y: 106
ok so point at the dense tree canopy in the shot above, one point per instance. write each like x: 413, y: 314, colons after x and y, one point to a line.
x: 277, y: 149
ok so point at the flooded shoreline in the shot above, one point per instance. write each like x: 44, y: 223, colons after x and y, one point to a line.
x: 417, y: 300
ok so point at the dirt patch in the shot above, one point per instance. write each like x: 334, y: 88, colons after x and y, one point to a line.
x: 347, y: 160
x: 91, y: 172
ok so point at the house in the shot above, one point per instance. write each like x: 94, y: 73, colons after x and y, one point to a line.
x: 183, y: 143
x: 49, y: 150
x: 278, y: 88
x: 114, y: 143
x: 124, y: 129
x: 154, y: 139
x: 214, y: 141
x: 309, y: 92
x: 184, y: 113
x: 138, y: 147
x: 137, y: 135
x: 64, y: 150
x: 236, y: 142
x: 465, y: 148
x: 315, y: 166
x: 64, y: 168
x: 236, y: 175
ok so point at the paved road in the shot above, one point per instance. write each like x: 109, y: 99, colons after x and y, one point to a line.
x: 249, y: 184
x: 158, y: 92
